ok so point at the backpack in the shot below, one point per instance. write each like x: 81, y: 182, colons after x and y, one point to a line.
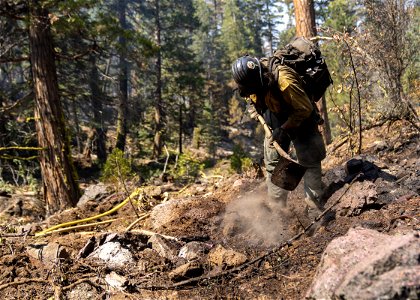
x: 305, y: 58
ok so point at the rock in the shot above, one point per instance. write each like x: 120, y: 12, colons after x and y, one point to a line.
x: 226, y: 257
x: 93, y: 192
x: 113, y: 254
x: 116, y: 281
x: 153, y: 191
x: 88, y: 248
x: 238, y: 182
x: 360, y: 197
x: 353, y: 166
x: 166, y: 248
x: 188, y: 270
x: 82, y: 291
x: 49, y: 254
x: 379, y: 145
x: 29, y: 228
x: 193, y: 250
x: 366, y: 264
x: 150, y: 261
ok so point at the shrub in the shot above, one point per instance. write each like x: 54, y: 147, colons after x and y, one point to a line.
x: 188, y: 167
x: 117, y: 168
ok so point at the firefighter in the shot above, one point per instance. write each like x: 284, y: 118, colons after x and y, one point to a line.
x: 293, y: 118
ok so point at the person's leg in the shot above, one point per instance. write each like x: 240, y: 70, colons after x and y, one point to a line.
x: 277, y: 196
x: 310, y: 151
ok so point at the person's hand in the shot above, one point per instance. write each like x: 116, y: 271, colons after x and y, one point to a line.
x: 278, y: 135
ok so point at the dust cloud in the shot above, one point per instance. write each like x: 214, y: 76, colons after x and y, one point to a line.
x: 253, y: 219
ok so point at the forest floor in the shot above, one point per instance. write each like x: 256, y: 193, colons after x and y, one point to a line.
x: 216, y: 237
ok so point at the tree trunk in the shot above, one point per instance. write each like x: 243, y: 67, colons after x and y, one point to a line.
x: 159, y: 113
x: 306, y: 27
x: 61, y: 190
x: 123, y: 81
x: 96, y: 100
x: 305, y: 18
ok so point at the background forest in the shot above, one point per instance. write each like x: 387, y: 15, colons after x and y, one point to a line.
x: 127, y: 89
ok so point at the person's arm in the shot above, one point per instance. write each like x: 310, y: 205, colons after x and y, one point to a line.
x: 295, y: 96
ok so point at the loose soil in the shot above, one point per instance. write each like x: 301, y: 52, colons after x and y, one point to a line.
x: 229, y: 211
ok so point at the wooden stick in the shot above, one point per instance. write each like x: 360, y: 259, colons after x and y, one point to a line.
x: 23, y: 281
x: 150, y: 233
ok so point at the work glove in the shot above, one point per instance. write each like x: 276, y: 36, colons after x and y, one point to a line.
x: 279, y: 135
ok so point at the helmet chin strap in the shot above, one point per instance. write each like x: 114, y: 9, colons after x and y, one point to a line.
x: 259, y: 67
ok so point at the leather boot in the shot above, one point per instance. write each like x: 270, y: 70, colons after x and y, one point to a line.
x: 313, y: 208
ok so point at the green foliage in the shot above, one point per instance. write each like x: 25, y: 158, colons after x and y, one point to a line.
x: 117, y: 168
x: 188, y: 167
x: 239, y: 162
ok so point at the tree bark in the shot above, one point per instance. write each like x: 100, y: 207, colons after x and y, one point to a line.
x: 159, y: 113
x: 61, y: 190
x: 306, y: 27
x: 305, y: 18
x: 123, y: 80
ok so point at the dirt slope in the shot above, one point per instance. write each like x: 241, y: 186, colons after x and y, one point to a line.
x: 217, y: 239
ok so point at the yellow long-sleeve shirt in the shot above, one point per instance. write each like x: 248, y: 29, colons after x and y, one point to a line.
x: 299, y: 107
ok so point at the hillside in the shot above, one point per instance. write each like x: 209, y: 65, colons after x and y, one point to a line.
x: 216, y: 239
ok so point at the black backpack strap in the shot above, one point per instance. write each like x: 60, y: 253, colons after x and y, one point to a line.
x: 272, y: 65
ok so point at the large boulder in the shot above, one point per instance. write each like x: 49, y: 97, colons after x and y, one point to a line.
x: 366, y: 264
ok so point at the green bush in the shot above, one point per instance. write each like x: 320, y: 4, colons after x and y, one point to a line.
x: 188, y: 167
x: 237, y: 159
x: 117, y: 168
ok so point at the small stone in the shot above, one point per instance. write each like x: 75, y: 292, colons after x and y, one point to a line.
x: 193, y: 250
x: 116, y: 281
x: 166, y: 248
x: 113, y: 254
x: 226, y: 257
x: 237, y: 183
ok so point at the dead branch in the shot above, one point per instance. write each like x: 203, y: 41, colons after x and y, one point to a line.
x: 83, y: 280
x: 26, y: 233
x: 150, y: 233
x: 166, y: 161
x: 20, y: 148
x: 17, y: 102
x: 24, y: 281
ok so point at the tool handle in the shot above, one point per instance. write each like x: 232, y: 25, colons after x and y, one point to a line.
x: 268, y: 131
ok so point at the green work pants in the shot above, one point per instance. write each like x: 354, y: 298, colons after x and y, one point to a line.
x: 310, y: 151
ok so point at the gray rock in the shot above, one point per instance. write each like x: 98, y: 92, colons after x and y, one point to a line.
x: 366, y: 264
x: 93, y: 192
x: 113, y: 254
x: 116, y: 281
x: 164, y: 247
x: 360, y: 197
x: 193, y: 250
